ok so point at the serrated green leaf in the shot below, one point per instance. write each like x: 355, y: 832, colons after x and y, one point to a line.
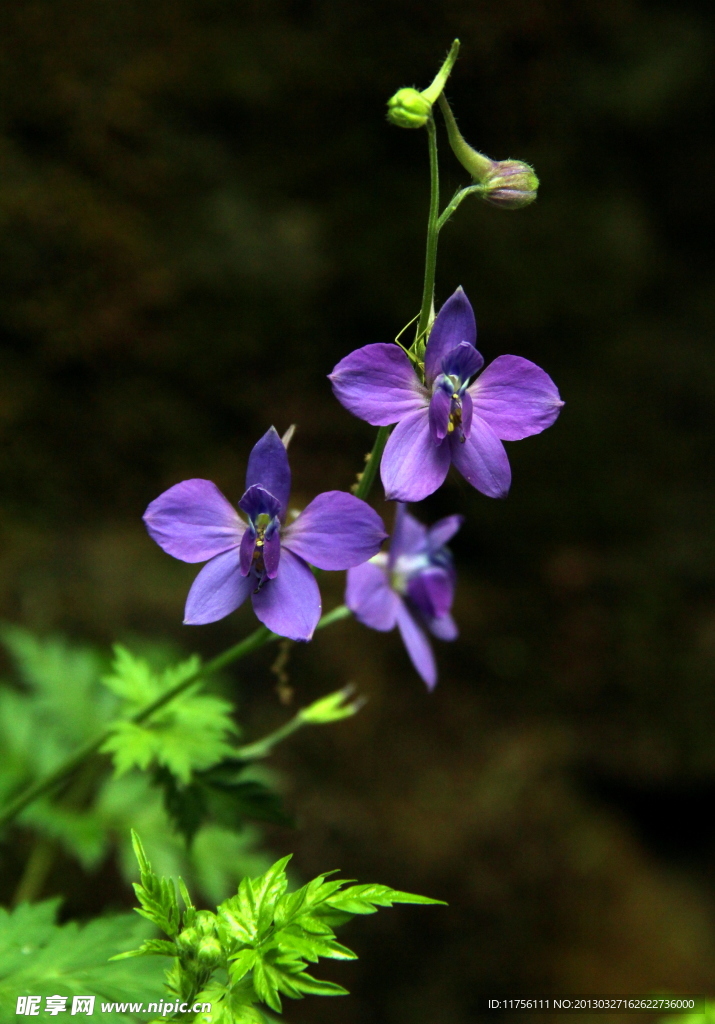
x: 314, y: 986
x: 365, y: 899
x: 291, y: 906
x: 243, y: 962
x: 159, y: 947
x: 265, y: 982
x: 39, y: 957
x: 311, y: 946
x: 156, y: 895
x: 249, y: 913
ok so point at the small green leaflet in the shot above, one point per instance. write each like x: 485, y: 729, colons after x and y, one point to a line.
x: 190, y: 734
x: 265, y: 936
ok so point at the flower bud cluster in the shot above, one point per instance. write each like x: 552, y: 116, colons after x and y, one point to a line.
x: 199, y: 943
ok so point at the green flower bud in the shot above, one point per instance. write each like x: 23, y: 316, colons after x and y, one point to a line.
x: 205, y: 922
x: 408, y: 109
x: 187, y: 939
x: 510, y: 184
x: 209, y: 953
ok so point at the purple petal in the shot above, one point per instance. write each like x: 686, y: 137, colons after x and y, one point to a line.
x: 481, y: 460
x: 378, y: 383
x: 268, y: 466
x: 443, y: 531
x: 370, y: 598
x: 516, y: 398
x: 272, y: 550
x: 418, y: 646
x: 462, y: 362
x: 245, y: 552
x: 258, y: 501
x: 444, y: 628
x: 413, y: 466
x: 439, y: 409
x: 290, y: 604
x: 467, y: 413
x: 454, y: 323
x: 336, y: 531
x: 432, y: 591
x: 218, y: 590
x: 408, y: 535
x: 193, y: 521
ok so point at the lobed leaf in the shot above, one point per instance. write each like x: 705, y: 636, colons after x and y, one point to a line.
x: 40, y: 957
x: 189, y: 734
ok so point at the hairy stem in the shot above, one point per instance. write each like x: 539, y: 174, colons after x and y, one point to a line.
x: 258, y: 638
x: 432, y: 234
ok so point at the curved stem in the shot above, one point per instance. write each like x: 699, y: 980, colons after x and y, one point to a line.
x: 258, y: 638
x: 432, y: 234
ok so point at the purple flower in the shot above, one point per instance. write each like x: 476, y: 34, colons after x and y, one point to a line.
x: 445, y: 419
x: 263, y: 557
x: 412, y: 587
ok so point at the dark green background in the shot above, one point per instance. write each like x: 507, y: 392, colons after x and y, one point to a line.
x: 202, y: 209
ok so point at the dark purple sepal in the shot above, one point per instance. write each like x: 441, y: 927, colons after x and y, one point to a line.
x: 454, y: 324
x: 268, y: 466
x: 432, y: 591
x: 258, y: 501
x: 272, y: 549
x: 462, y: 362
x: 439, y: 410
x: 467, y: 414
x: 245, y: 552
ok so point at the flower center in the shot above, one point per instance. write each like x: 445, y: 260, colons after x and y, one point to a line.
x: 405, y: 567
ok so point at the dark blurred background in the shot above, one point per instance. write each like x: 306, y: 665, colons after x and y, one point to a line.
x: 202, y: 208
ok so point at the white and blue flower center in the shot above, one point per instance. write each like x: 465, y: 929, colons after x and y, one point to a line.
x: 451, y: 404
x: 260, y: 549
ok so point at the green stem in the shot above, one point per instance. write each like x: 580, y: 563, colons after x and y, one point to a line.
x: 262, y: 748
x: 432, y: 234
x: 258, y: 638
x: 452, y: 206
x: 38, y: 866
x: 367, y: 477
x: 476, y: 163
